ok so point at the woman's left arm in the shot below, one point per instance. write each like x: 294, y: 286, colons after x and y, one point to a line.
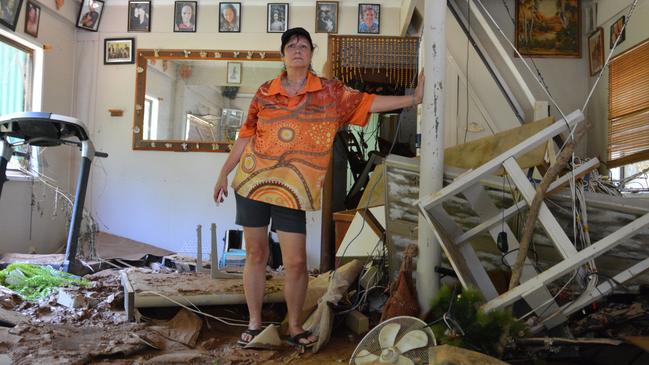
x: 383, y: 103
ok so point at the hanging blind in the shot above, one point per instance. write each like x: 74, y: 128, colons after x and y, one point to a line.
x: 628, y: 107
x: 13, y: 72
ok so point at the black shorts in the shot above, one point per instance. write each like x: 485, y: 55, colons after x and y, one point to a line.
x: 252, y: 213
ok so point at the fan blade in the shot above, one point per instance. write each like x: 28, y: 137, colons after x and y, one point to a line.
x: 388, y: 334
x: 364, y: 357
x: 405, y: 361
x: 412, y: 340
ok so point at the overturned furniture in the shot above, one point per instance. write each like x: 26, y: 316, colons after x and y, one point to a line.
x: 462, y: 256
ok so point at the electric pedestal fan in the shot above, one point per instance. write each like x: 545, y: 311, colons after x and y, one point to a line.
x: 400, y: 340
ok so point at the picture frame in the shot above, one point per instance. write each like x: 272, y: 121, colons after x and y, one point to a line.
x: 596, y: 51
x: 185, y: 15
x: 32, y: 18
x: 546, y: 29
x: 234, y: 73
x: 229, y: 17
x: 276, y: 17
x: 119, y: 51
x: 369, y: 18
x: 139, y: 16
x: 9, y: 12
x: 615, y: 30
x: 90, y: 14
x: 326, y: 16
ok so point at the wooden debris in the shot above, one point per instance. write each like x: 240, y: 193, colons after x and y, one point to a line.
x: 451, y: 355
x: 10, y: 317
x: 357, y: 322
x: 184, y: 327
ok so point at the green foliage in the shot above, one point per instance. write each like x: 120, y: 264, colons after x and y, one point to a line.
x: 33, y: 282
x: 482, y: 331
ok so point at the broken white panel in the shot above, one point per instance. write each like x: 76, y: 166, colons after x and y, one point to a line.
x: 360, y: 239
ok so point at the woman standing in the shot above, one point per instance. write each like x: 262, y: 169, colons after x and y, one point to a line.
x: 283, y: 152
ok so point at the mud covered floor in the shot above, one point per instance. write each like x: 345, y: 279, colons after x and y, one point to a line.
x: 97, y: 332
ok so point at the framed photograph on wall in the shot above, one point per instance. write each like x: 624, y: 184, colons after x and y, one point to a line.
x: 616, y: 30
x: 596, y: 51
x: 234, y: 73
x: 185, y: 13
x: 229, y: 17
x: 139, y: 16
x: 32, y: 18
x: 90, y: 14
x: 326, y: 17
x: 119, y: 51
x: 276, y: 17
x: 9, y: 11
x: 369, y: 16
x: 548, y: 28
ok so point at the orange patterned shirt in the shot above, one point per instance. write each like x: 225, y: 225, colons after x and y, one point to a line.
x: 287, y: 157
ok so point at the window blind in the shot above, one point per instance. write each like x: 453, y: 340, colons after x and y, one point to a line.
x: 628, y: 107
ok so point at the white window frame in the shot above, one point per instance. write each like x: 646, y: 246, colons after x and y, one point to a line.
x: 35, y: 102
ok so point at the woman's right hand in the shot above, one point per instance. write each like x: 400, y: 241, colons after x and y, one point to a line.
x: 220, y: 190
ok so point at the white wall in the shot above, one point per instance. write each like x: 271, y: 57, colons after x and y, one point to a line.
x: 566, y: 78
x: 637, y: 31
x: 25, y: 227
x: 160, y: 197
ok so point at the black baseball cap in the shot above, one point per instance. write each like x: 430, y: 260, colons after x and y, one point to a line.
x: 297, y: 31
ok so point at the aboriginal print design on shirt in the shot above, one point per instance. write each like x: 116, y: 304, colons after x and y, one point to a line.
x: 287, y: 157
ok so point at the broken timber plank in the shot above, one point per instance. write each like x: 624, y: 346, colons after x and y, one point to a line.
x: 161, y: 290
x: 463, y: 258
x: 547, y: 220
x: 473, y: 176
x: 521, y: 206
x: 603, y: 289
x: 565, y: 266
x: 478, y: 152
x: 541, y: 299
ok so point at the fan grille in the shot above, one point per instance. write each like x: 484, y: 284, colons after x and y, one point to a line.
x: 371, y: 341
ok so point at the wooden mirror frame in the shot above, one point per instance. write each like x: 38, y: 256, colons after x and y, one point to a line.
x: 144, y: 55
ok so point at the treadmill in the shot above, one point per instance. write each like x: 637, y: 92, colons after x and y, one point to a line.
x: 48, y: 130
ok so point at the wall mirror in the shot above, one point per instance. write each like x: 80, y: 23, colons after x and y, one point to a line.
x: 196, y: 100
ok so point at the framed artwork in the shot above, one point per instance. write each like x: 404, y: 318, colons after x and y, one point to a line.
x: 9, y: 11
x: 230, y: 17
x: 90, y: 14
x: 139, y: 16
x: 326, y: 17
x: 616, y: 30
x: 119, y: 51
x: 185, y: 13
x: 596, y: 51
x: 548, y: 28
x: 369, y: 16
x: 32, y: 18
x: 234, y: 73
x: 277, y: 17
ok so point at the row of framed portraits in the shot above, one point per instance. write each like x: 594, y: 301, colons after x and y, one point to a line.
x: 10, y: 10
x: 230, y: 13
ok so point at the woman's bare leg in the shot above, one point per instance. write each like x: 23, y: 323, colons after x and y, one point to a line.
x: 295, y: 284
x: 254, y: 272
